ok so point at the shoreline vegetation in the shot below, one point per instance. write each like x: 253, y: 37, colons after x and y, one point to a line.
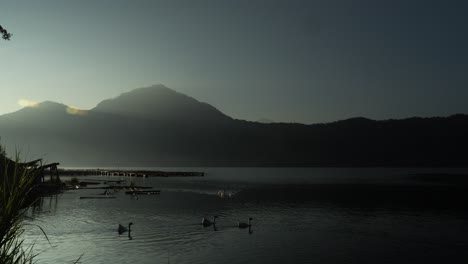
x: 21, y: 186
x: 16, y: 186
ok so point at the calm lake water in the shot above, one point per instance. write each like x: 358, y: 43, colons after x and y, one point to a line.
x: 166, y: 227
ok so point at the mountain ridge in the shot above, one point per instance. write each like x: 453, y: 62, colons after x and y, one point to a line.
x: 158, y: 102
x: 146, y: 92
x: 117, y: 137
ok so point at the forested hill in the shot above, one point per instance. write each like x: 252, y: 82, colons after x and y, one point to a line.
x: 156, y: 126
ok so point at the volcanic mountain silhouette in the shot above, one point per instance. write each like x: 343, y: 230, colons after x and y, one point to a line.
x: 156, y: 126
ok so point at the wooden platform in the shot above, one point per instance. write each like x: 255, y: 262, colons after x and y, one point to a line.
x: 144, y: 192
x: 130, y: 173
x: 97, y: 197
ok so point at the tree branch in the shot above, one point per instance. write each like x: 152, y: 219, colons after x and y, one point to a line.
x: 5, y: 34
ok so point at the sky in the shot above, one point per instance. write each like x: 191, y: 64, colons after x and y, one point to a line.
x: 290, y: 61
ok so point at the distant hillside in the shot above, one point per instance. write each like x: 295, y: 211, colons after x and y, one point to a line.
x: 265, y: 121
x: 157, y: 126
x: 160, y: 103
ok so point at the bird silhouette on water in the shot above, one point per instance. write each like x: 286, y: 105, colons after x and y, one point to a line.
x: 123, y: 229
x: 206, y: 222
x: 245, y: 225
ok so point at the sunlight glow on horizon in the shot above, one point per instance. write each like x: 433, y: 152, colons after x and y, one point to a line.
x: 27, y: 103
x: 76, y: 111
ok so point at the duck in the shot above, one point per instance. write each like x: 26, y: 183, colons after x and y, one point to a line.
x: 206, y: 222
x: 245, y: 225
x: 122, y: 228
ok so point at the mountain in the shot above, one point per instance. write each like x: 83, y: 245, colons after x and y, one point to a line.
x: 156, y: 126
x: 265, y: 121
x: 161, y: 103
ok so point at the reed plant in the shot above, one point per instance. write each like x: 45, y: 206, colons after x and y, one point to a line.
x: 16, y: 184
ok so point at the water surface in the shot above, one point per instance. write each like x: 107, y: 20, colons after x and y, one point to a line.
x: 167, y: 227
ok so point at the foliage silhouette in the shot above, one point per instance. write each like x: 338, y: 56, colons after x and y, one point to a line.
x: 5, y: 34
x: 16, y: 184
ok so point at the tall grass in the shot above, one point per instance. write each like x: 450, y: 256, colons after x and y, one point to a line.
x: 15, y: 187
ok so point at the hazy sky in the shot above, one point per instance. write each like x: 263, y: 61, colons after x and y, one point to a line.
x: 307, y: 61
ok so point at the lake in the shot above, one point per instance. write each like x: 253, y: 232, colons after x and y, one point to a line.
x: 300, y: 215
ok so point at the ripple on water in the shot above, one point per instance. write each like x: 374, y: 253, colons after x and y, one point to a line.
x: 168, y: 226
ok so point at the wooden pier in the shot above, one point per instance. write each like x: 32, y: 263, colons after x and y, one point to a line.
x: 129, y: 173
x: 144, y: 192
x: 97, y: 197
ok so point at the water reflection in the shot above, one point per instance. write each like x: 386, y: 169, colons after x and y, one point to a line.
x: 299, y: 225
x: 46, y: 204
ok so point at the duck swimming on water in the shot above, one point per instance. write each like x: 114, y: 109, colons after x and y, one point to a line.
x: 206, y: 222
x: 245, y: 225
x: 122, y: 228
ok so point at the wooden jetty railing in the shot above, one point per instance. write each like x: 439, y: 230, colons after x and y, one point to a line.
x: 130, y: 173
